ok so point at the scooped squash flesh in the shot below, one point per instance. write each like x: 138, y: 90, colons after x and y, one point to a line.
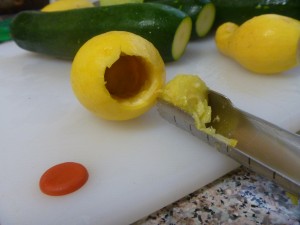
x: 190, y: 94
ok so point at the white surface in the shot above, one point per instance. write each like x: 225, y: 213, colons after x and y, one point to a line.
x: 136, y: 167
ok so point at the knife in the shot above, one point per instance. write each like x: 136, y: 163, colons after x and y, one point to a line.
x: 262, y: 147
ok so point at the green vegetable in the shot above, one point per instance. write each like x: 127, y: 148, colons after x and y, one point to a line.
x: 117, y: 2
x: 4, y: 29
x: 238, y: 11
x: 202, y: 13
x: 62, y: 33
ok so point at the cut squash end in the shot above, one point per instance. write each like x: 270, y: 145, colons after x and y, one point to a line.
x: 117, y: 2
x: 205, y: 20
x: 181, y: 38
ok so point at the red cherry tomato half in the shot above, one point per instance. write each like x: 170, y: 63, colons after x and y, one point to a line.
x: 63, y: 179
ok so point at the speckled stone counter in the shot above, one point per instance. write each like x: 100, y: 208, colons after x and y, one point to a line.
x: 241, y: 197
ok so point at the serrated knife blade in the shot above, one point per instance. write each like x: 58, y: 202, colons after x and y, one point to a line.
x: 262, y: 147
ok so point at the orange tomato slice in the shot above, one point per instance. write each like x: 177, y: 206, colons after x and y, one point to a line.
x: 63, y: 179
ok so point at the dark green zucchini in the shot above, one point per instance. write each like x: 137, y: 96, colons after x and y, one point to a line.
x: 62, y: 33
x: 202, y: 13
x: 4, y: 29
x: 238, y: 11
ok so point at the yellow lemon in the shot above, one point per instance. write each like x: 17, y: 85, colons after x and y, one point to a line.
x: 266, y: 44
x: 117, y: 75
x: 61, y: 5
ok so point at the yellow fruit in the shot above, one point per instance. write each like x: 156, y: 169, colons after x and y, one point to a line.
x: 266, y: 44
x: 61, y: 5
x: 117, y: 75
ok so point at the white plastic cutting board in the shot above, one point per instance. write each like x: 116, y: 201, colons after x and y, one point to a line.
x: 136, y: 167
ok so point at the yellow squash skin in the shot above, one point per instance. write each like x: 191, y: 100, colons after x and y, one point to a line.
x: 117, y: 75
x: 61, y: 5
x: 266, y: 44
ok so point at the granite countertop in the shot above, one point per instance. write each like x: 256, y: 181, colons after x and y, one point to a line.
x: 240, y: 197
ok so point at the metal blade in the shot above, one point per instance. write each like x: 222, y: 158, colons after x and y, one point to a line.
x: 262, y: 147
